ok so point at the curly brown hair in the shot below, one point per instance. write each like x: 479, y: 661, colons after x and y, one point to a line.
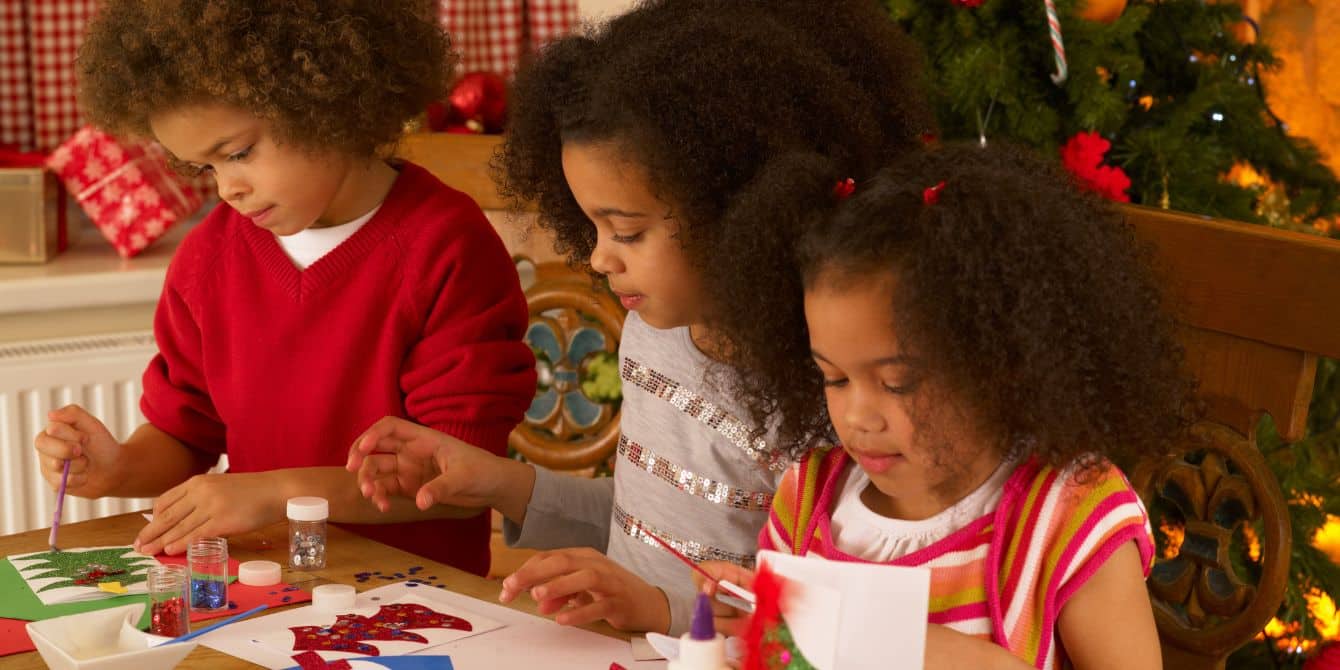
x: 1034, y: 303
x: 337, y: 75
x: 744, y: 113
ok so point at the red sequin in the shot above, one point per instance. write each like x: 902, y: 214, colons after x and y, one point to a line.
x: 391, y: 623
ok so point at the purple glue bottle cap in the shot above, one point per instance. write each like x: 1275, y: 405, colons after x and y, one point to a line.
x: 702, y: 628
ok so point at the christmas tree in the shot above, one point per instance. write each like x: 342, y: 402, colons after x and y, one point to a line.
x: 1160, y: 104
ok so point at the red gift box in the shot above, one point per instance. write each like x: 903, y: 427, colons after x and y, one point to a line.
x: 127, y: 189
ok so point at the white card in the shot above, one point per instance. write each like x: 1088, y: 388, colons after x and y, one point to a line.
x: 849, y: 616
x: 127, y: 564
x: 270, y: 641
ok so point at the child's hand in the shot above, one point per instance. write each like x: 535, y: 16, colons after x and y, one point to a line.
x: 727, y: 619
x: 74, y: 435
x: 399, y: 458
x: 584, y: 585
x: 211, y: 505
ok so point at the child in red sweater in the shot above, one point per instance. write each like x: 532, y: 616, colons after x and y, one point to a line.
x: 328, y: 289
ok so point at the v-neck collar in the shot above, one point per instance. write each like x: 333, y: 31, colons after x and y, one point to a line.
x: 341, y: 260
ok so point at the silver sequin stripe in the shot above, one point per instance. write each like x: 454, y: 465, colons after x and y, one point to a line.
x: 699, y: 552
x: 704, y: 411
x: 693, y: 484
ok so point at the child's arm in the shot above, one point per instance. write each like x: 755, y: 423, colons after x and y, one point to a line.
x: 584, y: 585
x: 234, y: 503
x: 948, y: 649
x: 148, y: 463
x: 1109, y: 622
x: 398, y: 459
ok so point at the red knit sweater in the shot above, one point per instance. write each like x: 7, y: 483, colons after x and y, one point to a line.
x: 419, y: 314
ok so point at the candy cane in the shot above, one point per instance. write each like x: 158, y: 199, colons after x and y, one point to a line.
x: 1058, y: 47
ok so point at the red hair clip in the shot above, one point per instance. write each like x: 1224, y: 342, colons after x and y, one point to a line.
x: 931, y: 195
x: 843, y: 189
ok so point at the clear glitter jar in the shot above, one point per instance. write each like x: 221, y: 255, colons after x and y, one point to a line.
x: 208, y: 561
x: 307, y: 532
x: 169, y: 604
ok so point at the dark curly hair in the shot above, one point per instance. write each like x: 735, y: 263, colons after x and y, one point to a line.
x: 744, y: 113
x: 1031, y: 302
x: 340, y: 75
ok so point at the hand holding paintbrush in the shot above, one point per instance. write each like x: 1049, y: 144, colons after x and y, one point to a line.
x: 60, y: 504
x: 736, y: 596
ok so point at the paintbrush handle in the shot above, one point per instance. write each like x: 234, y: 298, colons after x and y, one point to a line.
x: 60, y: 504
x: 213, y: 627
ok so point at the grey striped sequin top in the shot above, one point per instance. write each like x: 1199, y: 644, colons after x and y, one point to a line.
x: 686, y: 471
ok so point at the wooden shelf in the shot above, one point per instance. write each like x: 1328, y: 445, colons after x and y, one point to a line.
x: 461, y: 161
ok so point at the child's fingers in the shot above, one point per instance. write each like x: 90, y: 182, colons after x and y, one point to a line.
x: 539, y: 569
x: 380, y: 498
x: 596, y: 610
x: 78, y: 417
x: 56, y: 448
x: 567, y: 585
x: 169, y: 525
x: 729, y: 626
x: 436, y: 489
x: 66, y: 432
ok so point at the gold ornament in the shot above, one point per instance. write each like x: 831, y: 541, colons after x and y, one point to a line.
x: 1102, y: 11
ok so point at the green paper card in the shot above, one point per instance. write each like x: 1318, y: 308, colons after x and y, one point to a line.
x: 17, y: 600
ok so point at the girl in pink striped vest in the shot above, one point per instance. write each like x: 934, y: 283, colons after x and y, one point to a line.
x: 992, y: 348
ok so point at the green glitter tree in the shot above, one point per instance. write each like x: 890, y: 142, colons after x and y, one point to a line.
x: 87, y: 568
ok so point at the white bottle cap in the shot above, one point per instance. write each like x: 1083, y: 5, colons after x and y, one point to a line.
x: 308, y: 508
x: 333, y: 597
x: 258, y: 573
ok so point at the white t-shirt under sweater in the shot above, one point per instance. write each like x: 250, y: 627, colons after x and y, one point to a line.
x: 684, y: 472
x: 308, y: 246
x: 861, y: 532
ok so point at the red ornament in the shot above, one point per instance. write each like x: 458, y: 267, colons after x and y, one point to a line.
x: 1083, y: 156
x: 1327, y: 657
x: 970, y: 4
x: 843, y: 189
x: 931, y: 194
x: 476, y: 104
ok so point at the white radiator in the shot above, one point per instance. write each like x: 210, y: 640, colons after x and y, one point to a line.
x: 101, y: 373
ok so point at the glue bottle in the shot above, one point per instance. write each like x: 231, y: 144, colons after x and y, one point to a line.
x: 701, y: 648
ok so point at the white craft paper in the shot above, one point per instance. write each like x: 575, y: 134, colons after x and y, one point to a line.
x: 523, y: 642
x: 268, y: 640
x: 854, y: 616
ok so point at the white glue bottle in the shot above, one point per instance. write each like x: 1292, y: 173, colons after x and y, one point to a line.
x: 701, y: 648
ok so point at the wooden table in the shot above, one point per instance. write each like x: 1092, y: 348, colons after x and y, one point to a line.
x: 346, y: 555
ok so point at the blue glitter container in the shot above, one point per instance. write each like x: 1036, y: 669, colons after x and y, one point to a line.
x: 207, y: 558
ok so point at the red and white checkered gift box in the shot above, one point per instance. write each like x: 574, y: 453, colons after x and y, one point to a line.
x: 127, y: 189
x: 492, y: 35
x: 39, y: 40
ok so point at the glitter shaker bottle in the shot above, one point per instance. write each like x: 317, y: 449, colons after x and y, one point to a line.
x: 208, y: 560
x: 169, y: 607
x: 307, y: 532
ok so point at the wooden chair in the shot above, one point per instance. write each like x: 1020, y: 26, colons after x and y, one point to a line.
x: 571, y: 320
x: 1258, y: 306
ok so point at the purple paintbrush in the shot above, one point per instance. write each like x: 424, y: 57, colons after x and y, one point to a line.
x: 60, y: 503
